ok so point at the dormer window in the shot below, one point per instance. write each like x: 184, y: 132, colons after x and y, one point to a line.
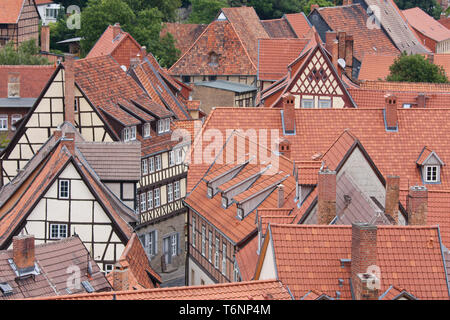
x: 431, y: 174
x: 213, y: 60
x: 163, y: 125
x: 224, y: 202
x: 430, y: 164
x: 307, y: 103
x: 129, y: 133
x: 146, y: 130
x: 210, y: 192
x: 240, y: 213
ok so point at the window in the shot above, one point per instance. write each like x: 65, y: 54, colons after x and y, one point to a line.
x: 150, y: 199
x: 143, y: 202
x: 193, y: 232
x: 146, y: 130
x: 108, y: 267
x: 236, y: 272
x: 164, y: 125
x: 63, y: 189
x: 174, y: 244
x: 133, y: 133
x: 203, y: 240
x: 157, y: 199
x: 158, y: 162
x: 14, y: 119
x: 75, y: 104
x: 171, y: 158
x: 151, y: 164
x: 149, y: 242
x: 213, y: 59
x: 3, y: 122
x: 126, y: 134
x: 186, y: 79
x: 179, y: 155
x: 431, y: 173
x: 307, y: 103
x: 170, y: 247
x: 169, y: 192
x: 58, y: 231
x: 224, y: 258
x: 240, y: 213
x: 210, y: 192
x: 216, y: 255
x: 144, y: 166
x: 176, y: 190
x: 167, y: 125
x: 324, y: 103
x: 210, y: 245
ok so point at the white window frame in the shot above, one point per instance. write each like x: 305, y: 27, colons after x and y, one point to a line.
x: 169, y: 192
x: 224, y: 258
x: 14, y: 119
x: 151, y: 164
x: 304, y: 101
x: 133, y: 133
x: 59, y: 231
x: 167, y: 125
x: 203, y: 240
x: 171, y: 158
x: 176, y: 190
x: 4, y: 122
x: 60, y: 190
x: 322, y: 101
x: 158, y: 162
x: 126, y: 134
x: 216, y: 254
x: 144, y: 166
x: 210, y: 245
x: 146, y: 130
x: 235, y: 272
x: 160, y: 126
x: 193, y: 231
x: 150, y: 199
x: 174, y: 244
x: 109, y: 267
x: 157, y: 197
x: 437, y: 173
x: 178, y: 156
x: 143, y: 202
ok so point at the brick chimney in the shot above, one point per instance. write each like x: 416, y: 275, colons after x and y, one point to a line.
x: 120, y: 277
x: 280, y: 190
x: 116, y: 29
x: 417, y: 205
x: 391, y: 112
x: 23, y: 252
x: 69, y: 141
x: 314, y: 6
x: 341, y: 36
x: 289, y: 113
x: 392, y: 197
x: 364, y: 255
x: 69, y: 90
x: 421, y: 100
x: 349, y: 55
x: 330, y: 37
x: 45, y: 38
x: 284, y: 147
x: 326, y: 187
x: 335, y: 57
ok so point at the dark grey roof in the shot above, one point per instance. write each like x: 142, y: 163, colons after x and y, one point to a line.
x: 17, y: 102
x: 226, y: 85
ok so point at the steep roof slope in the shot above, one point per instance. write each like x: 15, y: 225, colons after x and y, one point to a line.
x: 426, y: 25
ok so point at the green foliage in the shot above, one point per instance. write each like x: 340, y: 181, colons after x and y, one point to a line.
x: 60, y: 32
x: 144, y: 25
x: 273, y: 9
x: 322, y: 3
x: 27, y: 53
x: 204, y: 11
x: 166, y: 7
x: 431, y: 7
x: 4, y: 140
x: 67, y: 3
x: 416, y: 68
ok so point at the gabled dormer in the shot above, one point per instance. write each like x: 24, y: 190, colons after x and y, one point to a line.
x: 430, y: 166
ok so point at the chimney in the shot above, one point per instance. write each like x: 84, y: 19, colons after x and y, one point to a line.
x: 284, y: 148
x: 349, y: 55
x: 326, y: 185
x: 314, y: 6
x: 280, y: 190
x: 45, y: 38
x: 69, y: 141
x: 392, y: 197
x: 134, y: 62
x: 417, y: 205
x: 289, y: 113
x: 421, y: 100
x: 116, y: 30
x: 143, y: 52
x: 120, y: 278
x: 23, y: 252
x: 330, y: 37
x: 364, y: 255
x: 341, y: 38
x: 335, y: 57
x: 69, y: 90
x: 58, y: 134
x: 391, y: 112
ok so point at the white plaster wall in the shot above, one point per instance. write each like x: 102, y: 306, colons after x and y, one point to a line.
x: 199, y: 275
x: 268, y: 267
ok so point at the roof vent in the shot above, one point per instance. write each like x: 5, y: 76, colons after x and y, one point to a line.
x: 6, y: 289
x: 87, y: 286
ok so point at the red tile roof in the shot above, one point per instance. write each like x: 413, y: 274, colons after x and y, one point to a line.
x: 375, y: 66
x: 278, y: 28
x: 407, y: 86
x: 246, y: 258
x: 352, y: 19
x: 299, y: 23
x: 308, y: 257
x: 53, y: 258
x: 426, y: 25
x: 276, y: 54
x: 443, y: 59
x: 445, y: 22
x: 249, y: 290
x: 183, y: 33
x: 10, y: 11
x: 32, y: 79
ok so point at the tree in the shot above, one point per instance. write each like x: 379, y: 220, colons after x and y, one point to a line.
x: 416, y: 68
x: 431, y: 7
x: 166, y: 7
x: 270, y: 9
x: 60, y: 32
x: 67, y: 3
x: 204, y: 11
x: 27, y: 53
x: 322, y: 3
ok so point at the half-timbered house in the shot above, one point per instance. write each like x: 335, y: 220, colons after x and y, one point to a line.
x: 59, y: 194
x: 19, y: 21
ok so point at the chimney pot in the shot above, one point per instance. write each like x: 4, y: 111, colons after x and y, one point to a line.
x: 69, y: 141
x: 417, y: 205
x: 116, y: 29
x: 120, y: 278
x: 280, y: 196
x: 391, y: 112
x: 392, y: 197
x: 421, y: 100
x: 289, y: 113
x: 23, y: 252
x: 326, y: 186
x: 314, y: 6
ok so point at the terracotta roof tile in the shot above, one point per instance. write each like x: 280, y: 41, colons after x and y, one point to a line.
x: 276, y: 54
x: 426, y: 25
x: 249, y: 290
x: 406, y: 86
x: 183, y: 33
x: 352, y: 19
x: 278, y: 28
x: 247, y: 257
x: 308, y: 257
x: 445, y: 22
x: 375, y: 66
x: 10, y: 11
x: 443, y: 59
x: 299, y: 23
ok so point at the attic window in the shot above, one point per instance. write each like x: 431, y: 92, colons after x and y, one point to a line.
x: 146, y: 130
x: 240, y: 213
x: 432, y: 173
x: 224, y: 202
x: 5, y: 288
x: 213, y: 60
x: 307, y: 103
x: 87, y: 286
x: 210, y: 192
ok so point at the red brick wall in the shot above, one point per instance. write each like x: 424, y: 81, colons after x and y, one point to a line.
x: 126, y: 50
